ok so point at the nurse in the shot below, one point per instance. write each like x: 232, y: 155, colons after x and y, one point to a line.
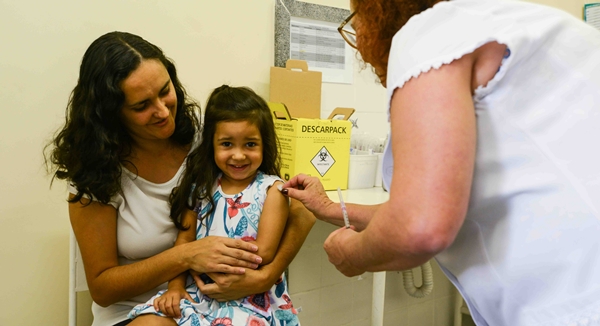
x: 491, y: 166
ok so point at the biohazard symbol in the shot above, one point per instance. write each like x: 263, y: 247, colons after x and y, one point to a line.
x: 323, y: 155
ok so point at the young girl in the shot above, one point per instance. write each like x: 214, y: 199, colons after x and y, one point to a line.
x: 230, y: 184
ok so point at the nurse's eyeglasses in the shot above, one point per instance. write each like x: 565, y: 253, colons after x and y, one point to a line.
x: 349, y: 36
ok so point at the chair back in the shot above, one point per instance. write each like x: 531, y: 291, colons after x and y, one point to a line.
x: 77, y: 281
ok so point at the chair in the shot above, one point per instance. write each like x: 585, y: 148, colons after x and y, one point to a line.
x: 77, y: 282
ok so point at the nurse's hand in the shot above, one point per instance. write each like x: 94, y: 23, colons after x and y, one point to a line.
x: 337, y: 245
x: 310, y: 192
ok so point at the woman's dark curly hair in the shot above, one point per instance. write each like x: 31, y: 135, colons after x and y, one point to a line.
x: 89, y: 149
x: 379, y: 22
x: 224, y: 104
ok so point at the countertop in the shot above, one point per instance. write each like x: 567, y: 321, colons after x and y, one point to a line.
x: 366, y: 196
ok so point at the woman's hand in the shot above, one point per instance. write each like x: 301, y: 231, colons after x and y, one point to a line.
x: 221, y: 255
x: 231, y: 287
x: 336, y: 246
x: 311, y: 193
x: 228, y: 287
x: 168, y: 303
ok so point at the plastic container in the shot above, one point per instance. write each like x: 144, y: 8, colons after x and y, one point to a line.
x: 362, y: 170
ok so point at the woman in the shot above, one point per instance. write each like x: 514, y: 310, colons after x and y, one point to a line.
x: 490, y: 166
x: 129, y: 128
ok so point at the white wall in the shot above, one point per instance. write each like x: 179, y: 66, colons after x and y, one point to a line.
x: 42, y: 42
x: 574, y: 7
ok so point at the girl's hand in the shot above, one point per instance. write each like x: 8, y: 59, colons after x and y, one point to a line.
x: 168, y: 303
x: 221, y: 255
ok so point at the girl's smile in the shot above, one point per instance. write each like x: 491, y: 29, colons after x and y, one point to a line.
x: 238, y: 151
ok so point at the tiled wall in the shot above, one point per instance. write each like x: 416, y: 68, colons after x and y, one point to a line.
x: 325, y: 297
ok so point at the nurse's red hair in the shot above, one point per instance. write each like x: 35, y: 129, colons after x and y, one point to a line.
x: 377, y: 21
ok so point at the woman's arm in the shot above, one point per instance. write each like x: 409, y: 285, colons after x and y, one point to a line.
x: 231, y: 287
x: 433, y: 138
x: 310, y: 191
x: 359, y: 215
x: 95, y: 227
x: 272, y: 223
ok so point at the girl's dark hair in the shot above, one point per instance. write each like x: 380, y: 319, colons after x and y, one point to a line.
x: 90, y: 147
x: 224, y: 104
x: 379, y: 22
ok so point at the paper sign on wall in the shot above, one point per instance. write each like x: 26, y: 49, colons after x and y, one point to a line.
x: 591, y: 14
x: 321, y: 45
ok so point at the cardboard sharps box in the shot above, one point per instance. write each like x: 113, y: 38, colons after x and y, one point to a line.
x: 316, y: 147
x: 298, y: 88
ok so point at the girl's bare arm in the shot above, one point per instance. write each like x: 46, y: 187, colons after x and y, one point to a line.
x: 272, y: 223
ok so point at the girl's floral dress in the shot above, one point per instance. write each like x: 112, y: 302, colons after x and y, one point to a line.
x: 235, y: 216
